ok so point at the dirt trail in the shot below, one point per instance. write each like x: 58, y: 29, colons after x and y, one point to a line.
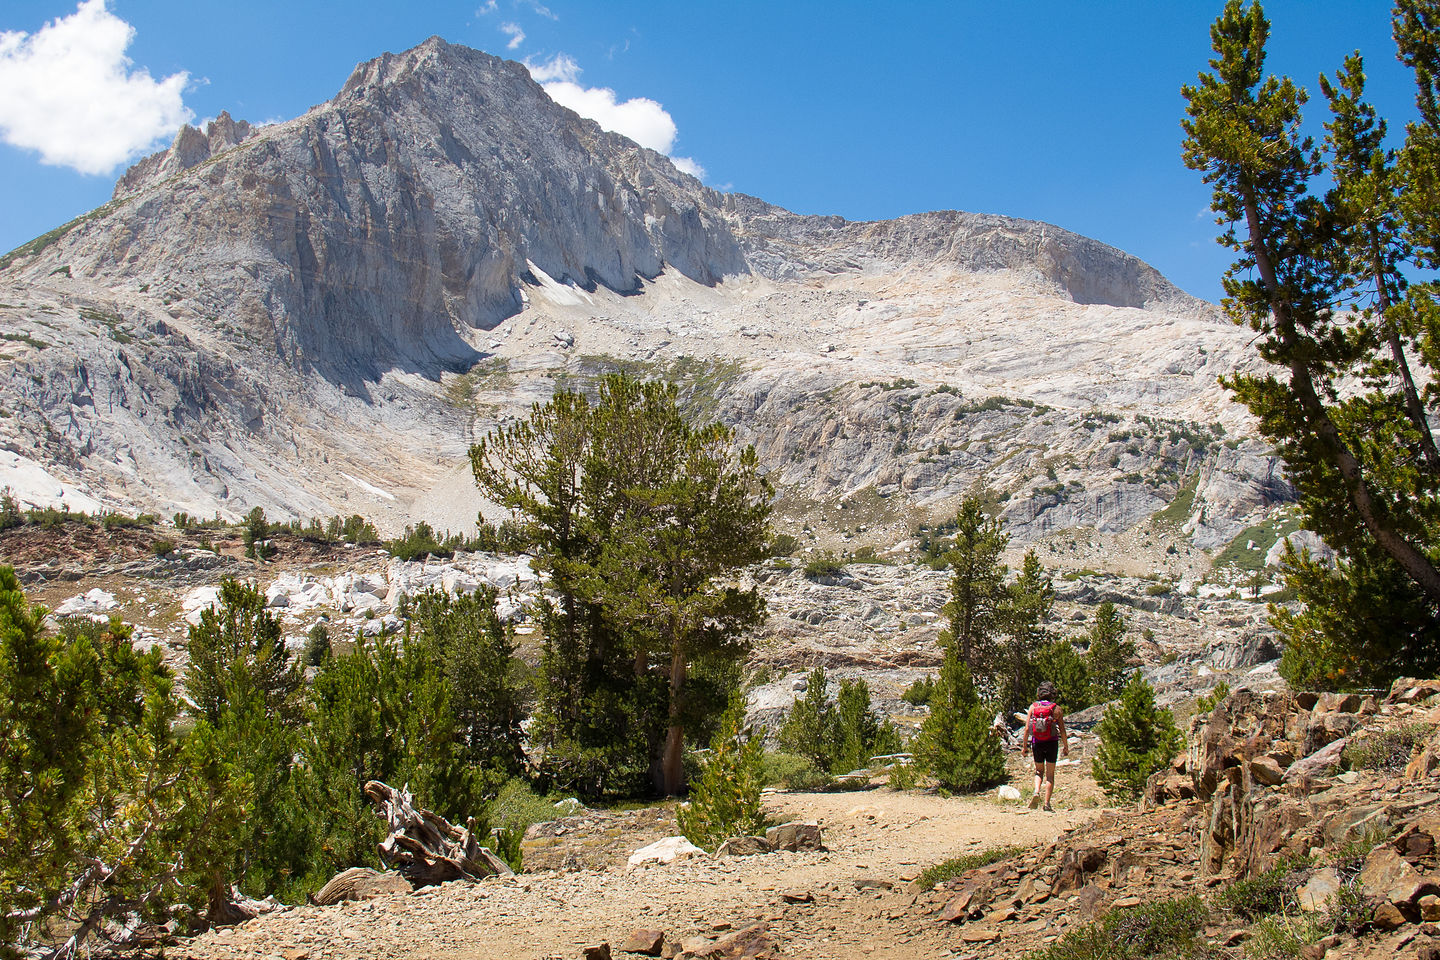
x: 863, y: 905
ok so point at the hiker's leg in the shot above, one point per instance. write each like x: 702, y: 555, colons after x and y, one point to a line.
x: 1049, y: 782
x: 1039, y: 774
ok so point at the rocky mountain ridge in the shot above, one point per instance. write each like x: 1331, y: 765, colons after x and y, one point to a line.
x: 319, y: 316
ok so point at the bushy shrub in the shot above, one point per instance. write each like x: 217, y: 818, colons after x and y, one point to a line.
x: 955, y: 745
x: 794, y: 772
x: 725, y: 800
x: 961, y: 865
x: 838, y: 737
x: 10, y: 515
x: 1283, y: 936
x: 1162, y: 930
x: 1136, y: 739
x: 1388, y: 751
x: 317, y: 645
x: 1265, y: 894
x: 823, y: 565
x: 1207, y: 703
x: 919, y: 692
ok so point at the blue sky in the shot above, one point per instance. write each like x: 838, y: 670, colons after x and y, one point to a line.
x: 1058, y: 111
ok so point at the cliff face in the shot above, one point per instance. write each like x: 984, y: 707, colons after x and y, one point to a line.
x: 285, y: 316
x: 377, y: 228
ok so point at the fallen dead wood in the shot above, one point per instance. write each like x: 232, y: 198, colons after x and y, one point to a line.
x: 425, y: 847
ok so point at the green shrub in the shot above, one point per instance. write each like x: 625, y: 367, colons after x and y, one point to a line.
x: 823, y: 565
x: 1283, y: 936
x: 903, y: 776
x: 1348, y: 909
x: 1213, y: 699
x: 507, y: 847
x: 961, y: 865
x: 794, y: 772
x: 955, y: 745
x: 1265, y: 894
x: 784, y: 545
x: 919, y: 692
x: 517, y: 806
x: 317, y: 645
x: 162, y: 547
x: 1388, y: 751
x: 1136, y: 739
x: 10, y: 515
x: 1161, y: 930
x: 725, y: 800
x: 421, y: 541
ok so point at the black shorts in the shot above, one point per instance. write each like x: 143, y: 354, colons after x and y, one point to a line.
x: 1046, y: 751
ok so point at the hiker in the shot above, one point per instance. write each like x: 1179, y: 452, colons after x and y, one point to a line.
x: 1045, y: 736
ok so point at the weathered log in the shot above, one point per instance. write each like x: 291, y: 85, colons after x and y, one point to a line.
x: 425, y: 847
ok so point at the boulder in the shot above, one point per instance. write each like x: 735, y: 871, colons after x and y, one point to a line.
x: 1266, y: 771
x: 667, y: 850
x: 648, y: 942
x: 1323, y: 761
x: 1077, y: 865
x: 795, y: 836
x: 598, y: 951
x: 744, y: 847
x: 1008, y: 794
x: 1315, y: 893
x: 1390, y: 877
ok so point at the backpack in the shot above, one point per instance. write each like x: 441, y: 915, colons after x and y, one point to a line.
x: 1042, y: 721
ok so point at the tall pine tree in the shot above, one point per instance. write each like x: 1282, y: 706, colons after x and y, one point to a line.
x: 1321, y: 277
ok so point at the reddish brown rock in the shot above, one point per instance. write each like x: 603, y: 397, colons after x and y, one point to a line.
x: 648, y: 942
x: 599, y: 951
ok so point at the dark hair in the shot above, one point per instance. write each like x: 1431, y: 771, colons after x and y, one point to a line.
x: 1046, y: 691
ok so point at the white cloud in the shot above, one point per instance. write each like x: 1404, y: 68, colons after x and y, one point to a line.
x: 688, y: 165
x: 641, y: 119
x: 515, y: 33
x: 539, y: 8
x: 69, y: 92
x: 559, y: 67
x: 485, y: 8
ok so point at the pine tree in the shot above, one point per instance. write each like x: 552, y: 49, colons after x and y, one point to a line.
x: 104, y: 812
x: 977, y: 585
x: 955, y: 745
x: 1108, y: 655
x: 1136, y: 739
x: 237, y: 648
x: 637, y: 517
x: 1012, y: 672
x: 1059, y: 662
x: 810, y: 726
x: 476, y: 650
x: 1323, y: 279
x: 725, y: 801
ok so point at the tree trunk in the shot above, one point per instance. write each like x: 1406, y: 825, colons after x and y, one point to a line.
x: 672, y: 767
x: 1413, y: 406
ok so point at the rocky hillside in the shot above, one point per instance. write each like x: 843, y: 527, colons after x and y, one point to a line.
x: 319, y: 316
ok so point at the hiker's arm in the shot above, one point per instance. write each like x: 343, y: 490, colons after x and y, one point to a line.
x: 1064, y: 739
